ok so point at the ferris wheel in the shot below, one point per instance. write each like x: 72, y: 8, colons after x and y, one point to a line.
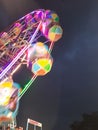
x: 29, y: 41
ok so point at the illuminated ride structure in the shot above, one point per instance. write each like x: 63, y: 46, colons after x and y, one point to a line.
x: 29, y: 41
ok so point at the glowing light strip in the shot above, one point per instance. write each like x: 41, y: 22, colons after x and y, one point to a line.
x: 14, y: 60
x: 15, y: 69
x: 12, y: 72
x: 27, y: 87
x: 51, y: 47
x: 37, y: 29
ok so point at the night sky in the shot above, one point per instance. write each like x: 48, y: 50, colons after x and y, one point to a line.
x: 71, y: 88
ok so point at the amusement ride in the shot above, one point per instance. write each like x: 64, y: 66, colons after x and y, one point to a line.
x: 29, y: 40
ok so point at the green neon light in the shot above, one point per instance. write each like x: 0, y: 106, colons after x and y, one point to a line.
x: 27, y: 86
x: 34, y: 77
